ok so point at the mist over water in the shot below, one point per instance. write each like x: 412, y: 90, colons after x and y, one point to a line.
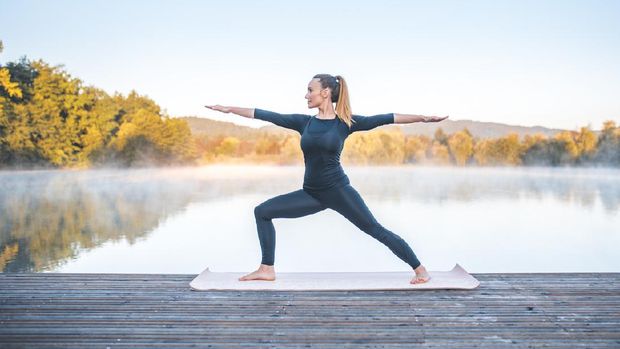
x: 181, y: 220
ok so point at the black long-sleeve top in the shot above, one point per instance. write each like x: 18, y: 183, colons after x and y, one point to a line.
x: 322, y: 142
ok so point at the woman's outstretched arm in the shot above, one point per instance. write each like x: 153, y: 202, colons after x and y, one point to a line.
x: 365, y: 123
x: 410, y: 118
x: 291, y: 121
x: 246, y: 112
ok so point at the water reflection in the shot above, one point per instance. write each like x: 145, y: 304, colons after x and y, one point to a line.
x: 50, y: 217
x: 428, y: 184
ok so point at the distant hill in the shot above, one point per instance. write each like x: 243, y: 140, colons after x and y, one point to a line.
x: 477, y: 128
x: 209, y: 127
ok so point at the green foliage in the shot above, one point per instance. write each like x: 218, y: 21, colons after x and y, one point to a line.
x: 48, y: 118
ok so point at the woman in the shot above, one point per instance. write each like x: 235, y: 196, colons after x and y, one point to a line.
x: 325, y: 183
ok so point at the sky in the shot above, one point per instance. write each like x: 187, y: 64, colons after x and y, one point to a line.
x: 532, y: 63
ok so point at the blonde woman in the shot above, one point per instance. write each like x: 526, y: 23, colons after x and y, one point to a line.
x: 325, y: 183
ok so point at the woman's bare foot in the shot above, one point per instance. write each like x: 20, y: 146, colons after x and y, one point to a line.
x: 421, y: 275
x: 264, y: 272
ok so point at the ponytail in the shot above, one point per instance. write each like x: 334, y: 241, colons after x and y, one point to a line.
x: 343, y: 106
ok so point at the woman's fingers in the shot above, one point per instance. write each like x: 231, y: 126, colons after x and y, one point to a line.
x: 439, y: 118
x: 434, y: 118
x: 218, y: 108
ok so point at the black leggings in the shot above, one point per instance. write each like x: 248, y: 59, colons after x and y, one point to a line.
x: 344, y: 200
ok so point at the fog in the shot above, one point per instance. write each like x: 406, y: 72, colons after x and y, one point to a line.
x: 180, y: 220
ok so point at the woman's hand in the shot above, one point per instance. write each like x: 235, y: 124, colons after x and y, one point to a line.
x: 434, y: 118
x: 218, y: 107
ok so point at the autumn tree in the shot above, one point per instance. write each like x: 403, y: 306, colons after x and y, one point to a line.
x: 376, y: 147
x: 608, y: 144
x: 228, y: 146
x: 505, y: 150
x: 461, y: 146
x: 586, y: 144
x: 440, y: 136
x: 49, y: 118
x: 416, y: 149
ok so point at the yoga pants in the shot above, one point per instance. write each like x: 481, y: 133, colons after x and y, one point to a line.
x: 344, y: 200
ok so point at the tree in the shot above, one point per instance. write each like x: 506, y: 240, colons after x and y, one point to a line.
x: 267, y: 145
x: 440, y: 136
x: 48, y: 117
x: 461, y: 147
x: 567, y: 146
x: 9, y: 88
x: 54, y: 114
x: 415, y: 149
x: 502, y: 151
x: 228, y: 147
x: 608, y: 144
x: 440, y: 153
x: 586, y: 142
x: 377, y: 147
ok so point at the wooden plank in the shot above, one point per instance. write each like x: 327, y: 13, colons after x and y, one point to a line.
x: 551, y: 310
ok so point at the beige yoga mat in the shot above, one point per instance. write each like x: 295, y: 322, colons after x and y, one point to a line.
x: 457, y: 278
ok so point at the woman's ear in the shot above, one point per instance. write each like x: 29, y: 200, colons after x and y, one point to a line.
x: 325, y: 92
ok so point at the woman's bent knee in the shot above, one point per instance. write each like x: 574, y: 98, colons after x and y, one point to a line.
x: 260, y: 211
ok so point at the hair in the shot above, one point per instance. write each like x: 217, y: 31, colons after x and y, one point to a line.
x: 339, y: 95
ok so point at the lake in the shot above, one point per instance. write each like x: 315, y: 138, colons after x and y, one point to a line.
x: 181, y: 220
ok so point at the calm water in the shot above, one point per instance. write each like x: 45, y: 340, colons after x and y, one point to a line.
x: 185, y: 219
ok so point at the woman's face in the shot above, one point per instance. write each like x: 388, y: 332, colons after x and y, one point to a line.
x: 315, y: 95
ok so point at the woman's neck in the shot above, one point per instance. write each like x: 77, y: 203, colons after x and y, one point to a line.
x: 326, y: 112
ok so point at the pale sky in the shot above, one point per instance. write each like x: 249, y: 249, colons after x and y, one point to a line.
x: 547, y: 63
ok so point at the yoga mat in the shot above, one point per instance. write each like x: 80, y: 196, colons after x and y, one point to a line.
x: 457, y: 278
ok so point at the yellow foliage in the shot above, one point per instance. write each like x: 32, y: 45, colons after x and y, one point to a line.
x: 267, y: 145
x: 228, y: 146
x: 586, y: 141
x: 440, y: 153
x: 126, y: 131
x: 377, y: 147
x: 93, y: 140
x: 12, y: 88
x: 567, y: 138
x: 502, y: 151
x: 415, y: 148
x: 461, y: 146
x: 609, y: 125
x: 9, y: 253
x: 531, y: 140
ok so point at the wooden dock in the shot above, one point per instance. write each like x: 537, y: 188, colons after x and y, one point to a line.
x: 540, y: 310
